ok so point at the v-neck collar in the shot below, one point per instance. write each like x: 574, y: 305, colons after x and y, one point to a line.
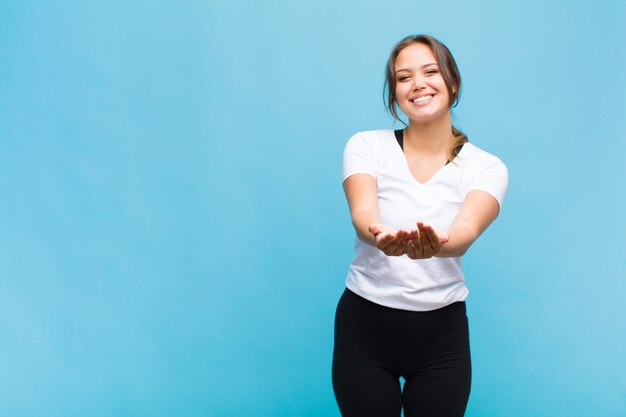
x: 399, y: 135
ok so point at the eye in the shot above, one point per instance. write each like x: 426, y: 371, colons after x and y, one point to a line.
x: 403, y: 78
x: 432, y: 71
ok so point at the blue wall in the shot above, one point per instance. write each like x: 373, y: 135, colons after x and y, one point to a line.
x: 173, y: 233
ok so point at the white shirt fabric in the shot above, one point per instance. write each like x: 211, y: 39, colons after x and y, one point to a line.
x: 398, y: 281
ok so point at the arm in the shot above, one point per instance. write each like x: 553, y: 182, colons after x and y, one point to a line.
x: 362, y: 199
x: 477, y: 212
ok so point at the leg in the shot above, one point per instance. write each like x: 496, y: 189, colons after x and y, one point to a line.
x: 364, y: 389
x: 440, y: 387
x: 442, y: 392
x: 364, y: 381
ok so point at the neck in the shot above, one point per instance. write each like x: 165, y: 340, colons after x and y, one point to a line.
x: 430, y: 138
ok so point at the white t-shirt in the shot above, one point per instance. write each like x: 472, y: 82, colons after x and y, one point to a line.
x: 398, y: 281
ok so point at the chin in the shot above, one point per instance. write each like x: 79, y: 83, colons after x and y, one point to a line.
x: 427, y: 118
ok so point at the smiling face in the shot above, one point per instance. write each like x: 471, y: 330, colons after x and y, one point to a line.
x: 420, y: 89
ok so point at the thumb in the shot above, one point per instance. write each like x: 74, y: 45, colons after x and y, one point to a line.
x: 375, y: 228
x: 443, y: 237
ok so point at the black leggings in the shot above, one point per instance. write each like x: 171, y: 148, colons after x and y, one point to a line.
x: 376, y: 345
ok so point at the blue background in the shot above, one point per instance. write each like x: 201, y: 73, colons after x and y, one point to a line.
x: 173, y: 232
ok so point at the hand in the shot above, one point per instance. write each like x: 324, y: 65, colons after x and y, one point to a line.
x: 424, y: 242
x: 390, y: 241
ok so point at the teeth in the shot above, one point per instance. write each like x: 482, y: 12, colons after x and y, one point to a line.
x: 422, y: 98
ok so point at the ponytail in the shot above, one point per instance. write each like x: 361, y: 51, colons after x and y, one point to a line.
x: 457, y: 143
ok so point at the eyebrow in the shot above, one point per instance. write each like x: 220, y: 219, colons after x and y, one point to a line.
x: 423, y: 66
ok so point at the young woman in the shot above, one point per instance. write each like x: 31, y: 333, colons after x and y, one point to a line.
x: 418, y: 198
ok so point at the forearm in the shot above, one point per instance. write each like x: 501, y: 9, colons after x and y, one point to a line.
x: 460, y: 238
x: 478, y: 211
x: 361, y: 222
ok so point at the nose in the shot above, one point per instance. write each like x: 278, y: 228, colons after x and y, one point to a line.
x: 419, y: 83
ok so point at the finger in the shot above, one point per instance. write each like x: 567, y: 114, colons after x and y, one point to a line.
x: 399, y: 243
x: 406, y: 239
x: 403, y: 235
x: 415, y: 238
x: 387, y: 243
x: 410, y: 245
x: 433, y: 239
x: 410, y: 249
x: 417, y: 244
x: 427, y: 248
x: 375, y: 229
x: 405, y: 242
x: 424, y: 239
x: 438, y: 238
x: 383, y: 240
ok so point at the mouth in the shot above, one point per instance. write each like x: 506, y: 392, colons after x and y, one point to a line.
x: 423, y: 99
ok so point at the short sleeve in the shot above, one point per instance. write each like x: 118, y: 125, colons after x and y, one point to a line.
x: 493, y: 179
x: 358, y: 158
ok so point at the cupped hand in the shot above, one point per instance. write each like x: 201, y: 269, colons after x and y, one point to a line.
x: 424, y: 242
x: 390, y: 241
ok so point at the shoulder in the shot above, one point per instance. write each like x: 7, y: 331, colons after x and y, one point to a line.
x: 373, y: 137
x: 375, y: 141
x: 477, y: 158
x: 483, y: 171
x: 367, y: 151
